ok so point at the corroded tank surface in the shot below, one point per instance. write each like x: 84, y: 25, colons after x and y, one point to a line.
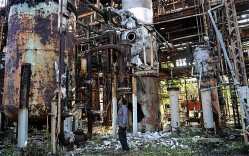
x: 33, y: 38
x: 148, y: 98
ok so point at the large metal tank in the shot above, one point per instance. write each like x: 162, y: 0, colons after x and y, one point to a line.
x: 33, y: 38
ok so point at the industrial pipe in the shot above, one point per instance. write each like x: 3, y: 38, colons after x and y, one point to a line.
x: 114, y: 106
x: 243, y: 109
x: 89, y: 87
x: 151, y: 50
x: 89, y: 4
x: 0, y: 120
x: 104, y: 47
x: 134, y: 103
x: 124, y: 58
x: 114, y: 93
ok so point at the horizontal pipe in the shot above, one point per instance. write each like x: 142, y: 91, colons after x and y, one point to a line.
x: 105, y: 47
x: 91, y: 5
x: 176, y: 19
x: 86, y: 26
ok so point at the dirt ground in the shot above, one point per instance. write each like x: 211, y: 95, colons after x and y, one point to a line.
x: 181, y: 142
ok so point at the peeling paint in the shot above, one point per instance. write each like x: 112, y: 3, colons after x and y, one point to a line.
x: 33, y: 38
x: 149, y: 102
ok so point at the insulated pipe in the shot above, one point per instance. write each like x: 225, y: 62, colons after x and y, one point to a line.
x: 22, y: 128
x: 142, y: 10
x: 134, y: 103
x: 174, y: 107
x: 151, y: 50
x: 207, y: 108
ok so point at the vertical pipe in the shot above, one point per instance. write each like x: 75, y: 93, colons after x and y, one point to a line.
x: 114, y: 106
x: 151, y: 50
x: 144, y: 51
x: 114, y: 91
x: 89, y: 103
x: 61, y: 62
x: 186, y: 96
x: 22, y: 128
x: 53, y: 126
x: 134, y: 102
x: 0, y: 120
x: 207, y: 108
x: 174, y: 107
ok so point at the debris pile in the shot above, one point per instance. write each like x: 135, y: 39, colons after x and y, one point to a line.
x: 106, y: 143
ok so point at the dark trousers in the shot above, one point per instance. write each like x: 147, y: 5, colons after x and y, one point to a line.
x: 122, y: 137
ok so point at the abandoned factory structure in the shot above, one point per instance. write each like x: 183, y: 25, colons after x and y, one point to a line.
x: 64, y: 65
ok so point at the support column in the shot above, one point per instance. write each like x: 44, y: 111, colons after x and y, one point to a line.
x: 23, y: 107
x: 207, y: 108
x: 0, y: 120
x: 114, y: 106
x: 22, y: 128
x: 134, y: 103
x: 174, y: 107
x: 53, y: 126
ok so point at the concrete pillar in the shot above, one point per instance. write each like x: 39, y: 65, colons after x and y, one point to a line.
x: 207, y: 108
x: 174, y: 107
x: 22, y: 128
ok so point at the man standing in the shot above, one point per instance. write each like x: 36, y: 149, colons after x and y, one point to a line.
x: 122, y: 121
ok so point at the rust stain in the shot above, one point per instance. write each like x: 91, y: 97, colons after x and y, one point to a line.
x: 33, y: 38
x: 149, y: 102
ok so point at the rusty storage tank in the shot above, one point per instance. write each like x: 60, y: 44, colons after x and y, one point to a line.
x: 33, y: 38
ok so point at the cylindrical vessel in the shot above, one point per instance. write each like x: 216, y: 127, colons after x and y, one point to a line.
x: 202, y: 56
x: 174, y: 108
x: 142, y: 10
x: 33, y: 38
x: 147, y: 87
x: 148, y: 98
x: 207, y: 108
